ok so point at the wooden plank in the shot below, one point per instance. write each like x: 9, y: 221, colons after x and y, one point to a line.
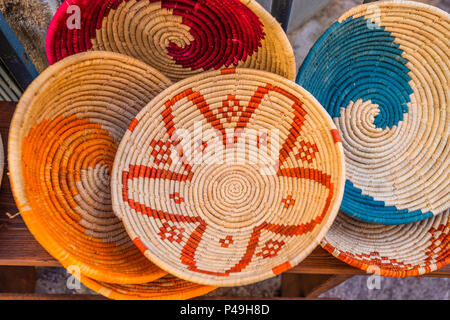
x: 17, y: 279
x: 18, y: 247
x: 309, y: 286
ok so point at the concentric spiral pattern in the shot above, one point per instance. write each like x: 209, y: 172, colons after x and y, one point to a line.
x: 63, y: 141
x: 229, y: 177
x: 165, y: 288
x: 180, y: 38
x: 382, y: 72
x: 393, y: 251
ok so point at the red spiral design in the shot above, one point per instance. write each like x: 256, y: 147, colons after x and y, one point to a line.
x: 225, y: 32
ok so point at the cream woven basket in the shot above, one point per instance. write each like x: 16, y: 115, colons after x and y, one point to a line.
x: 62, y: 143
x: 382, y: 73
x: 229, y: 177
x: 393, y: 251
x: 180, y: 38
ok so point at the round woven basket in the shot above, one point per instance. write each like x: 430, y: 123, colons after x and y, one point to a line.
x: 165, y: 288
x: 180, y: 38
x: 229, y: 177
x: 393, y: 251
x: 382, y: 72
x: 2, y: 159
x: 62, y: 143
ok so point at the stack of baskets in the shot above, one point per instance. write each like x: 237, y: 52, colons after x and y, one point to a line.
x: 166, y: 151
x: 382, y: 73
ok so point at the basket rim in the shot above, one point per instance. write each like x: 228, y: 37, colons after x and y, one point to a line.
x: 117, y: 295
x: 386, y: 272
x: 18, y: 184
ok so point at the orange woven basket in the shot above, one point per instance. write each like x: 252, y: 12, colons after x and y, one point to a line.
x: 165, y: 288
x: 62, y: 143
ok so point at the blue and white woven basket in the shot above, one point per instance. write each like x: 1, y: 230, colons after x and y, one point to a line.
x: 382, y: 72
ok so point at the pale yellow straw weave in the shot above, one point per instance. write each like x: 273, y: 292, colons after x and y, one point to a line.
x: 229, y: 177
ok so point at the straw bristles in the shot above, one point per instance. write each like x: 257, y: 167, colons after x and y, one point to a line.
x: 180, y: 38
x: 62, y: 144
x: 393, y: 251
x: 382, y: 72
x: 229, y: 177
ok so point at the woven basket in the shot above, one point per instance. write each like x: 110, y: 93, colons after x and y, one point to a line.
x: 166, y: 288
x: 180, y: 38
x: 229, y: 177
x: 62, y: 143
x: 392, y: 251
x: 2, y: 159
x: 382, y: 72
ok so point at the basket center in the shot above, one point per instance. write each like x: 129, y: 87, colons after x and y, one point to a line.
x: 229, y: 196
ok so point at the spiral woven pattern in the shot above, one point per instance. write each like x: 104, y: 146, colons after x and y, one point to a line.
x: 393, y: 251
x: 382, y: 72
x: 229, y: 177
x: 180, y: 38
x: 63, y: 139
x: 165, y: 288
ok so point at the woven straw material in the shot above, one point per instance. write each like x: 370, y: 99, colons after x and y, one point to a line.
x: 180, y: 38
x: 229, y: 177
x: 2, y: 160
x: 166, y: 288
x: 382, y: 72
x: 63, y: 139
x: 393, y: 251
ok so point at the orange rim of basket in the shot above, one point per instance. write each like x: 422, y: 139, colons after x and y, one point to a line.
x: 156, y: 290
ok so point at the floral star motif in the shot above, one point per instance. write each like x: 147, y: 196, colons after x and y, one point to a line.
x: 271, y: 249
x: 308, y: 152
x: 161, y: 152
x: 225, y: 243
x: 176, y: 198
x: 230, y: 108
x: 171, y: 233
x: 288, y: 202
